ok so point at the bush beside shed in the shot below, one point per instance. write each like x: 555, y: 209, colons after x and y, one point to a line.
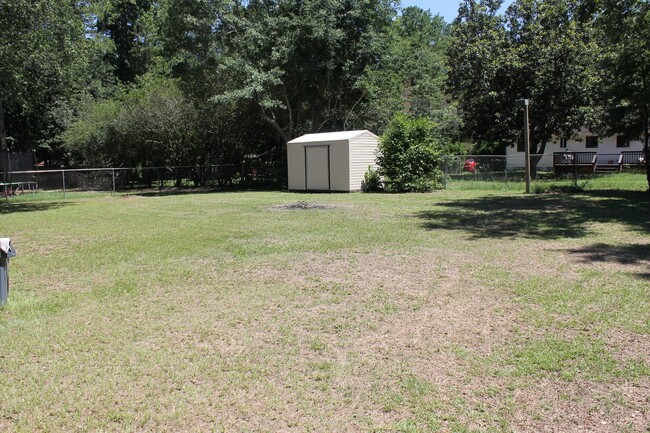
x: 330, y: 161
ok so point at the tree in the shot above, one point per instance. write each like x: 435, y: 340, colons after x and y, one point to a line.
x: 131, y: 26
x: 409, y: 78
x: 153, y: 125
x: 46, y: 68
x: 408, y: 155
x: 540, y: 51
x: 626, y: 69
x: 299, y: 62
x: 477, y: 59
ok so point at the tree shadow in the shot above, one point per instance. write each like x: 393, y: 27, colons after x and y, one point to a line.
x: 539, y: 216
x: 201, y: 190
x: 622, y: 254
x: 634, y: 254
x: 8, y: 208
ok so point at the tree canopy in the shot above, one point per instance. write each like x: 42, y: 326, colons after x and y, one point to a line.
x: 47, y: 65
x: 538, y: 51
x: 143, y: 82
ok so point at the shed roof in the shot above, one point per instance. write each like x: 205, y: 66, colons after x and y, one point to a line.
x: 331, y: 136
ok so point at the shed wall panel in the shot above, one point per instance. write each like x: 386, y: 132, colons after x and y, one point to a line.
x: 363, y: 153
x: 296, y: 166
x: 339, y: 166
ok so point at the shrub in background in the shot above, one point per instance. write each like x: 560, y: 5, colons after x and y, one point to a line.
x: 409, y: 155
x: 372, y: 181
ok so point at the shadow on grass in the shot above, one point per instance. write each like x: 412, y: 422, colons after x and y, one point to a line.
x: 202, y: 190
x: 8, y: 208
x: 624, y: 254
x: 635, y: 254
x: 539, y: 216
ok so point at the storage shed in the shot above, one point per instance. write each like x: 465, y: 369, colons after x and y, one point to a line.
x: 331, y: 161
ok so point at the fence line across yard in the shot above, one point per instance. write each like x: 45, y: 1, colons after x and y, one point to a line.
x: 113, y: 179
x: 458, y: 172
x: 501, y: 172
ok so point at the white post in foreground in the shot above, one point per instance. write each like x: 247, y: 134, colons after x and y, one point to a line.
x: 524, y: 103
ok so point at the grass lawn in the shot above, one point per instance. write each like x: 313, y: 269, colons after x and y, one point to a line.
x: 455, y: 311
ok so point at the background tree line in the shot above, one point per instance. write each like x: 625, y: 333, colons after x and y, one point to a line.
x: 186, y: 82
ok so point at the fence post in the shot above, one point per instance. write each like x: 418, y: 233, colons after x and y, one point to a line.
x: 113, y: 173
x: 63, y: 179
x: 575, y: 170
x: 159, y: 179
x: 243, y: 172
x: 445, y: 160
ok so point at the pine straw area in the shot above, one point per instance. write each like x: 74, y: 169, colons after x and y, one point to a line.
x: 455, y: 311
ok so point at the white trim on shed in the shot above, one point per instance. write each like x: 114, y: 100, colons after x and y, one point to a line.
x: 330, y: 161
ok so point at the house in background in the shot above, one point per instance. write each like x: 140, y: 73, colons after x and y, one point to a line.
x: 586, y: 153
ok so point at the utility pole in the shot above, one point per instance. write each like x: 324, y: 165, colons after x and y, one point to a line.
x: 524, y: 104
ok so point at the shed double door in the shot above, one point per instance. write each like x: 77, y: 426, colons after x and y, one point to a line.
x: 317, y: 168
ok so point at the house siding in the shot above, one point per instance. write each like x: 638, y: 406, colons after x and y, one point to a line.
x: 606, y: 146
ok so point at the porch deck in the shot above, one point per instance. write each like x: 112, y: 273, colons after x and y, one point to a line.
x: 574, y: 162
x: 593, y: 162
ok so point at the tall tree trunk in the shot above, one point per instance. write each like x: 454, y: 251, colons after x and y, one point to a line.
x: 274, y: 124
x: 646, y: 149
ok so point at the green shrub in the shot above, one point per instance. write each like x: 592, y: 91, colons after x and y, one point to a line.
x: 409, y: 155
x: 371, y: 181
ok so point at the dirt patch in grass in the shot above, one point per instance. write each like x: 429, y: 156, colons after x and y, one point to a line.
x: 303, y: 205
x: 630, y: 346
x: 551, y: 405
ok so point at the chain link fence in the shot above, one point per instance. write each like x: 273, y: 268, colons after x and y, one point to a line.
x: 248, y: 175
x: 550, y: 172
x: 487, y: 172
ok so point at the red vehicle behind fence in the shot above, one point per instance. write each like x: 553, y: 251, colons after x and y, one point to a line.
x: 470, y: 165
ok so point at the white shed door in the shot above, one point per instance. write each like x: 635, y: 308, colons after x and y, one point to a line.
x: 317, y: 167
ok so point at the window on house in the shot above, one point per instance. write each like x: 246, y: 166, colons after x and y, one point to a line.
x: 563, y: 141
x: 591, y: 141
x: 622, y: 141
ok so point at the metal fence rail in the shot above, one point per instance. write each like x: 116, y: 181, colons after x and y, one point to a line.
x: 459, y: 172
x: 139, y: 178
x: 551, y: 171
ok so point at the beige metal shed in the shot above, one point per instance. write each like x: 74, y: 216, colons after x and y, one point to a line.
x: 331, y: 161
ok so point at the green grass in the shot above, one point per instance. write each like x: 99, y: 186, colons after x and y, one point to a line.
x: 546, y: 184
x: 453, y: 311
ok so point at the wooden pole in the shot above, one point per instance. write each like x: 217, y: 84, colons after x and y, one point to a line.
x: 5, y: 149
x: 527, y: 147
x: 524, y: 104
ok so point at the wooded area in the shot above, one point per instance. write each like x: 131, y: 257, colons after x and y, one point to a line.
x: 182, y: 82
